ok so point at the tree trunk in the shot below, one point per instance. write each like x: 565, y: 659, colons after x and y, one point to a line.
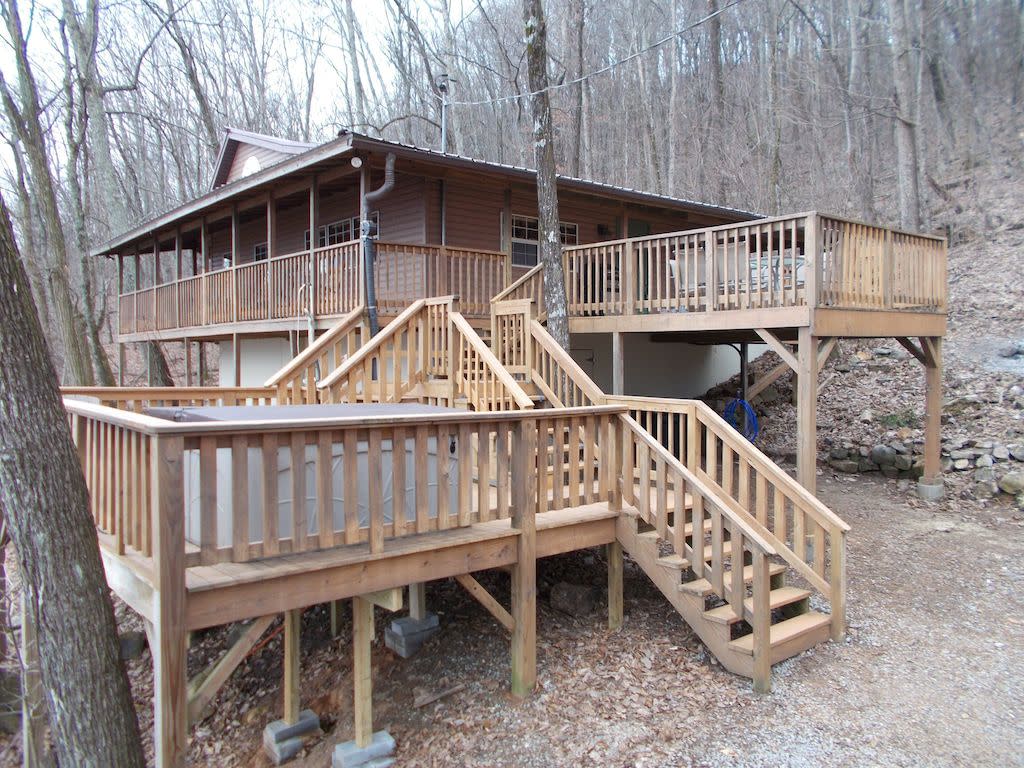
x: 905, y: 118
x: 550, y: 245
x: 44, y: 501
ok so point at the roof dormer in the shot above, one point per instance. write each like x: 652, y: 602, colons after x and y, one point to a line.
x: 243, y: 153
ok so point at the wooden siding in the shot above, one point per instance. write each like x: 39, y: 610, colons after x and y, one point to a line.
x: 473, y: 214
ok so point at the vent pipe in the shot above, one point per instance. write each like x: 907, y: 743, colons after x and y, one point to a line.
x: 368, y: 235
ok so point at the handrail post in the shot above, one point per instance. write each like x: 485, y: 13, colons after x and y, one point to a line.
x: 710, y: 276
x: 812, y: 260
x: 761, y: 623
x: 838, y: 584
x: 167, y: 507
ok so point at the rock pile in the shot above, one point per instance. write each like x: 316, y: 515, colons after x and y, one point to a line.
x: 989, y: 467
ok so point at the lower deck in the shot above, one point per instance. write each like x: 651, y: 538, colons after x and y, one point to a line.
x: 229, y: 592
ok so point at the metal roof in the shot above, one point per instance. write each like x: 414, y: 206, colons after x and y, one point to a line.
x: 348, y: 143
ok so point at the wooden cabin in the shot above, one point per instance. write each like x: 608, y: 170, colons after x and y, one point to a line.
x: 332, y: 464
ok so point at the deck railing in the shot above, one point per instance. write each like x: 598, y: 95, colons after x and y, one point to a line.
x: 326, y: 283
x: 805, y: 259
x: 238, y: 491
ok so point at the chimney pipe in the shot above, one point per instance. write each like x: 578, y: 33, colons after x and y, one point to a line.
x: 369, y: 255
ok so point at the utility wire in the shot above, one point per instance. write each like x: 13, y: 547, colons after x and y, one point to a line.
x: 603, y: 70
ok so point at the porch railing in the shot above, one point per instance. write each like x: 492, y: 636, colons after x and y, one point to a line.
x: 327, y: 283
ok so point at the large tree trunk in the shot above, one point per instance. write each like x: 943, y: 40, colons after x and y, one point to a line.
x: 550, y: 245
x: 44, y: 501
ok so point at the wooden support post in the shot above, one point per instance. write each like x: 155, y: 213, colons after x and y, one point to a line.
x: 236, y: 354
x: 188, y: 363
x: 837, y: 583
x: 122, y: 362
x: 618, y: 365
x: 201, y: 363
x: 524, y: 572
x: 292, y: 663
x: 234, y: 263
x: 418, y: 601
x: 362, y: 636
x: 170, y: 688
x: 614, y: 553
x: 807, y: 410
x: 932, y: 348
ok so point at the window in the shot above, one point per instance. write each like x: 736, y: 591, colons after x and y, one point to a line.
x: 341, y: 231
x: 260, y: 252
x: 526, y: 235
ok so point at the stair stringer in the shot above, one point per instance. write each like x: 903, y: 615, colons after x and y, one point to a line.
x: 691, y: 607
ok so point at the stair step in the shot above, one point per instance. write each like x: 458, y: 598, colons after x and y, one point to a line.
x: 703, y: 588
x: 777, y: 598
x: 674, y: 562
x: 790, y: 636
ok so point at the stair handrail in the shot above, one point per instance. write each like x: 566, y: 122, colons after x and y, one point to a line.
x: 512, y: 288
x: 490, y: 360
x: 777, y: 483
x: 303, y: 363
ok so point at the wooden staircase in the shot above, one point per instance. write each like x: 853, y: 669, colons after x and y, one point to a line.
x: 715, y: 524
x: 794, y: 626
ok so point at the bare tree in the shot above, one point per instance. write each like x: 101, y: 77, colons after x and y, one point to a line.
x: 24, y: 113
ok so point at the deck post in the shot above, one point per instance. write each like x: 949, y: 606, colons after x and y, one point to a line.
x: 614, y: 553
x: 930, y: 486
x: 524, y: 572
x: 271, y: 222
x: 170, y: 687
x: 292, y: 663
x: 362, y: 636
x: 807, y: 410
x: 618, y: 365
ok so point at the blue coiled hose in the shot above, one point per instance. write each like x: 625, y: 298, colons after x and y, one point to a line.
x: 732, y: 414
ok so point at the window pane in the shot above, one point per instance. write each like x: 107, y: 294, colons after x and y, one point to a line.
x: 524, y: 254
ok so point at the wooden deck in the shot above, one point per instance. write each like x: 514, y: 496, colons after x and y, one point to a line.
x: 196, y: 526
x: 835, y: 276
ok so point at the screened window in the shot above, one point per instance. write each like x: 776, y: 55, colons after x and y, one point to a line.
x: 260, y: 252
x: 526, y: 236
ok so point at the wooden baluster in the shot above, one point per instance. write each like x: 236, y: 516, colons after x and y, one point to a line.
x: 208, y: 500
x: 375, y: 496
x: 239, y: 498
x: 350, y: 461
x: 738, y: 588
x: 300, y: 527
